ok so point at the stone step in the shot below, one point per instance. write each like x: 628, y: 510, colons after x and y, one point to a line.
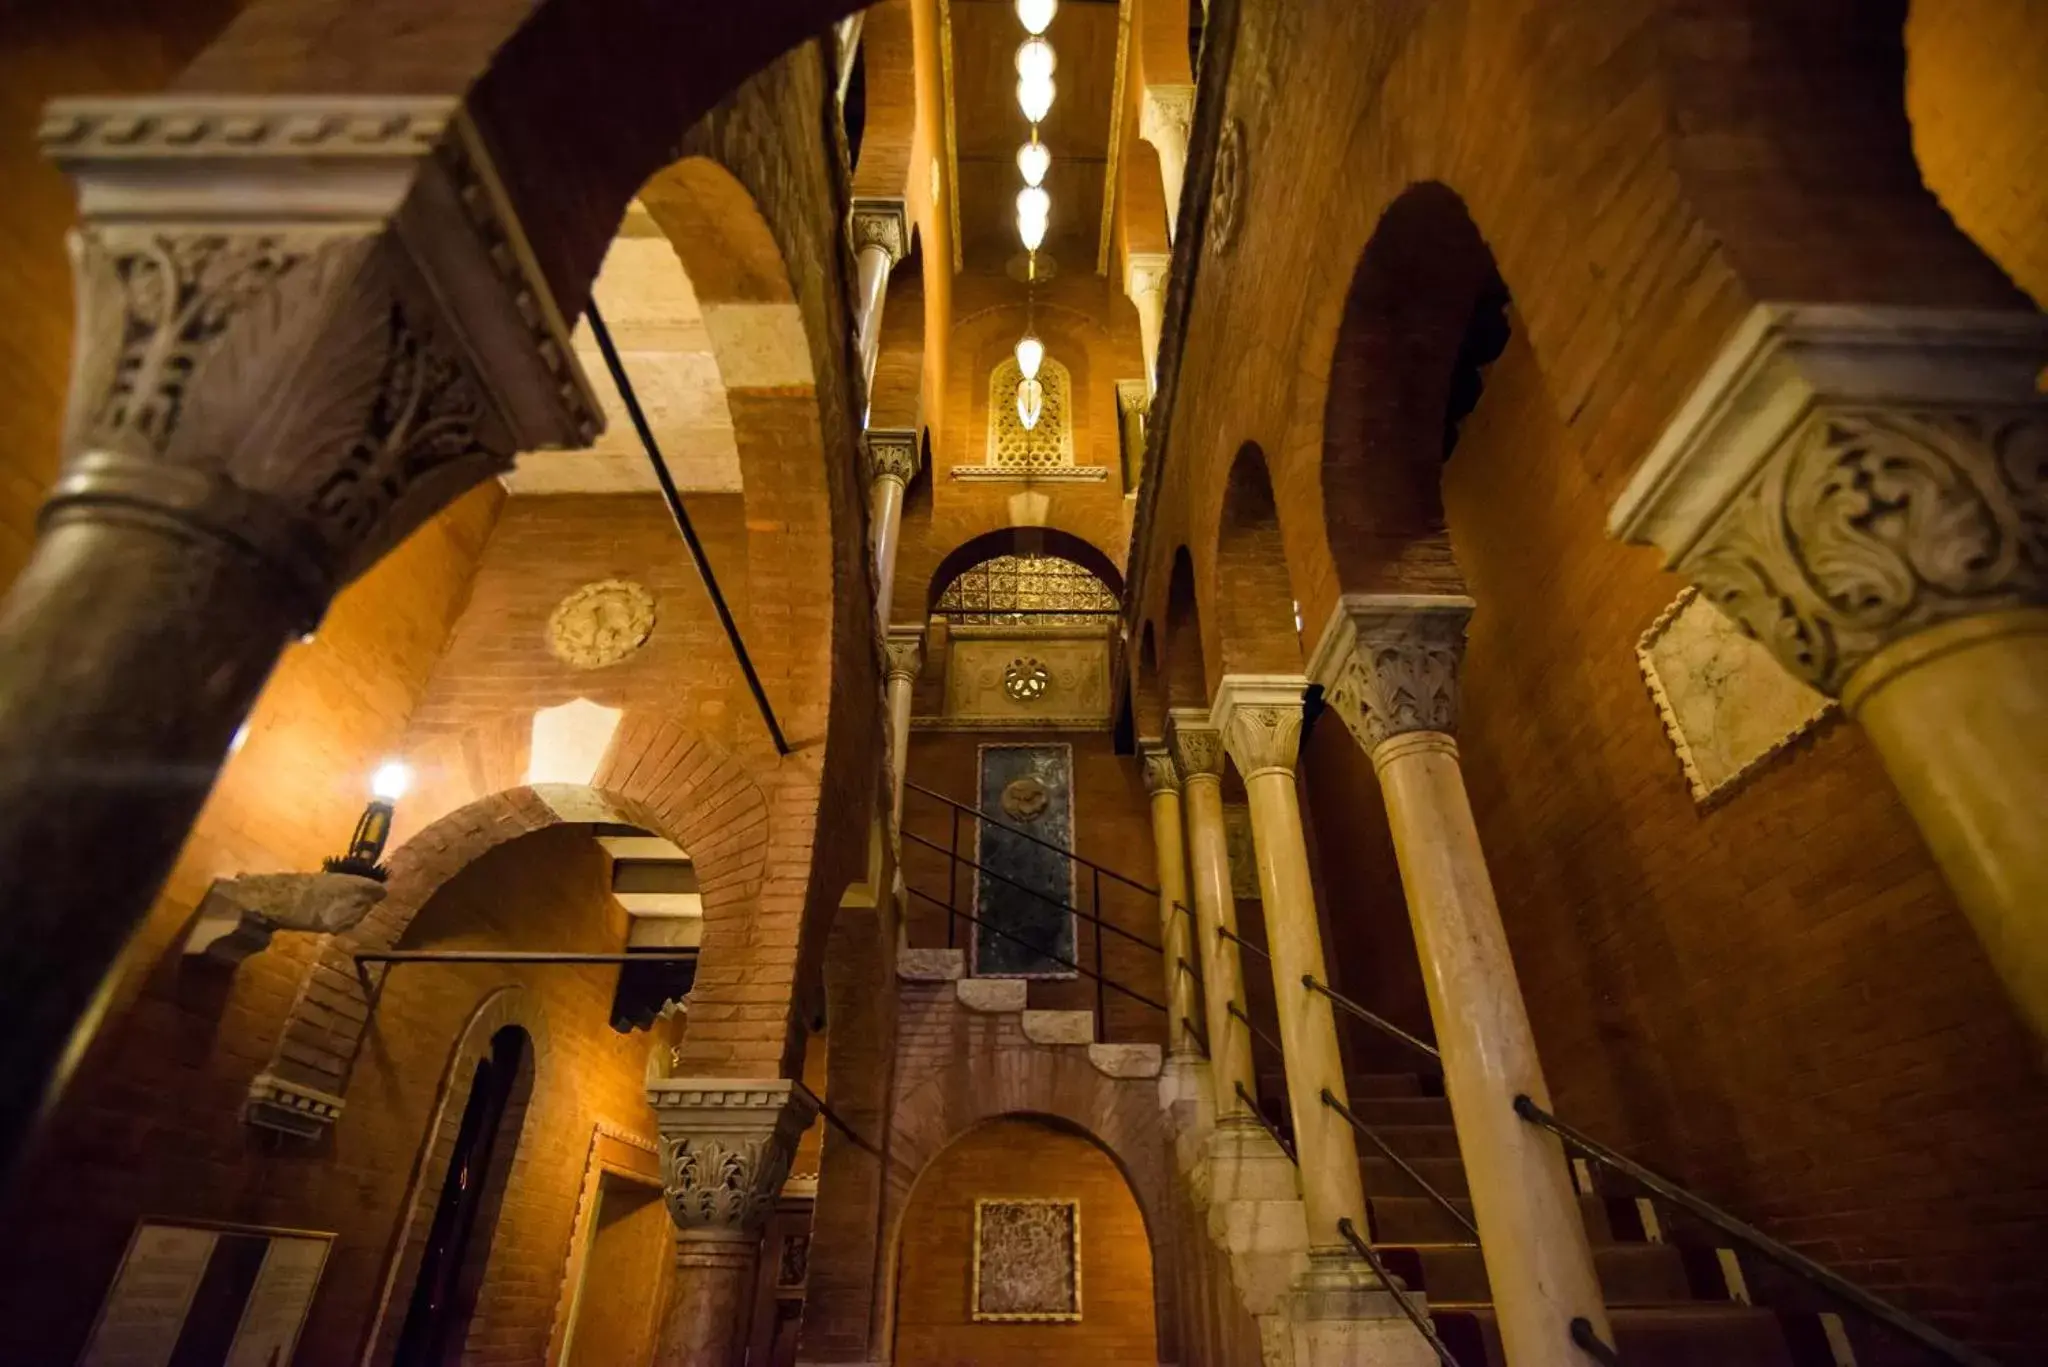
x: 1416, y: 1141
x: 1401, y: 1110
x: 1682, y: 1336
x: 1382, y: 1178
x: 1419, y: 1220
x: 1362, y: 1086
x: 1630, y: 1274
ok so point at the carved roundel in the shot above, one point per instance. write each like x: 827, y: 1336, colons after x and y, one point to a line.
x: 1025, y: 799
x: 1026, y: 679
x: 601, y: 623
x: 1226, y: 191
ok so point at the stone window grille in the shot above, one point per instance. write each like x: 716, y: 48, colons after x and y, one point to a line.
x: 1011, y: 445
x: 1041, y: 590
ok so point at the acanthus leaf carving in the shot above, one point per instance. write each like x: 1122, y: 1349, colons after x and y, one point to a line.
x: 718, y: 1182
x: 1197, y: 746
x: 1388, y: 664
x: 1161, y: 775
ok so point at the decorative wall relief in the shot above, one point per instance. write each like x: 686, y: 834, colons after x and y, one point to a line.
x: 1026, y: 677
x: 1023, y: 890
x: 1727, y: 705
x: 1027, y: 1260
x: 601, y: 623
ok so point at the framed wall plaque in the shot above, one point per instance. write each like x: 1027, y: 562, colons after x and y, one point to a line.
x: 1027, y: 1259
x: 204, y: 1292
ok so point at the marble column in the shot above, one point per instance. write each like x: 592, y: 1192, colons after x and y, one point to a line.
x: 1198, y: 754
x: 269, y: 390
x: 726, y: 1144
x: 892, y: 461
x: 904, y: 647
x: 881, y: 238
x: 1259, y: 717
x: 1168, y: 113
x: 1388, y: 665
x: 1183, y: 999
x: 1862, y: 490
x: 1145, y: 275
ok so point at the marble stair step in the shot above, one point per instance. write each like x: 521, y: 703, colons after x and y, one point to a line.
x: 1682, y: 1336
x: 1419, y: 1220
x: 1414, y: 1141
x: 1630, y: 1274
x: 1382, y: 1178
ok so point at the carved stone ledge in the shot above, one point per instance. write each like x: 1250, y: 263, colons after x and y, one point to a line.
x: 1845, y: 477
x: 1260, y: 717
x: 891, y: 453
x: 1197, y: 746
x: 239, y: 915
x: 726, y: 1145
x: 883, y: 223
x: 1161, y: 775
x: 1388, y: 663
x: 293, y: 1108
x: 306, y: 325
x: 1024, y: 474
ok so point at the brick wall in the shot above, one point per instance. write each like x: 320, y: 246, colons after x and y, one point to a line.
x: 155, y: 1129
x: 1113, y: 827
x: 1023, y: 1158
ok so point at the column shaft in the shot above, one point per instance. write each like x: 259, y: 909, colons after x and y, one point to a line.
x: 1325, y: 1147
x: 872, y: 262
x: 1183, y: 1000
x: 710, y: 1299
x: 1532, y: 1236
x: 885, y: 507
x: 1230, y: 1041
x: 900, y: 685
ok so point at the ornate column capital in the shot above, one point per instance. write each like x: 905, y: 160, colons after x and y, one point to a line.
x: 1161, y: 774
x: 883, y: 223
x: 1260, y: 718
x: 1196, y: 745
x: 1388, y: 663
x: 726, y: 1145
x: 891, y: 453
x: 305, y: 324
x: 1167, y: 115
x: 904, y: 647
x: 1843, y: 477
x: 1145, y: 273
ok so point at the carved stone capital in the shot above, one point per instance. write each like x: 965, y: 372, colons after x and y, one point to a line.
x: 293, y: 1108
x: 305, y: 325
x: 904, y: 647
x: 1843, y: 477
x: 1260, y: 718
x: 891, y: 453
x: 1161, y: 774
x: 726, y: 1145
x: 1145, y: 273
x: 883, y: 223
x: 1388, y: 663
x: 1196, y: 745
x: 239, y: 915
x: 1168, y: 114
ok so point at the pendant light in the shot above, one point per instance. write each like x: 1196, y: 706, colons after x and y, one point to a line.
x: 1036, y: 15
x: 1033, y: 161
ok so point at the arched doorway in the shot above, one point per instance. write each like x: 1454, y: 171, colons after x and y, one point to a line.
x: 1022, y: 1244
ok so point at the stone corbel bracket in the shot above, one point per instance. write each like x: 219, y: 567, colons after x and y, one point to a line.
x: 346, y: 274
x: 239, y: 915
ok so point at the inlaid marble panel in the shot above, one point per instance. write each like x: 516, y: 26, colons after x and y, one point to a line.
x: 1027, y: 1260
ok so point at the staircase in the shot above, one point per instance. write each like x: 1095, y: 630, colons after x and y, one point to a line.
x: 1673, y: 1301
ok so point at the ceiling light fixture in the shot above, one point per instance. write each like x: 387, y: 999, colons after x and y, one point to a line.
x: 1036, y: 15
x: 1033, y: 161
x: 1030, y: 355
x: 1034, y: 97
x: 1034, y: 213
x: 1036, y: 61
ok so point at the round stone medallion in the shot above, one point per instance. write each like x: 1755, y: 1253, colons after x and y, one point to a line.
x: 1026, y: 679
x: 601, y: 623
x: 1025, y: 798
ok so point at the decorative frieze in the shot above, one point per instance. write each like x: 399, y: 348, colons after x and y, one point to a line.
x: 1160, y: 774
x: 1844, y: 477
x: 1196, y: 745
x: 726, y: 1146
x: 1260, y: 718
x: 304, y: 325
x: 1388, y: 663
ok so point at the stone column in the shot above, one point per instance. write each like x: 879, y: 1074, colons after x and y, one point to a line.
x: 904, y: 647
x: 1388, y: 665
x: 269, y: 390
x: 1862, y: 490
x: 1164, y: 122
x: 1198, y: 754
x: 726, y: 1144
x: 1183, y: 1001
x: 1145, y: 276
x: 881, y: 238
x: 1259, y: 716
x: 892, y: 461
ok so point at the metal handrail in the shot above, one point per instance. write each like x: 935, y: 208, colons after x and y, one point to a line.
x: 1238, y: 1011
x: 1041, y: 896
x: 997, y: 821
x: 1828, y: 1280
x: 1226, y: 933
x: 1591, y: 1344
x: 853, y: 1136
x: 1040, y: 950
x: 1443, y: 1202
x: 1380, y: 1023
x: 1196, y: 1033
x: 1251, y: 1103
x: 1400, y: 1292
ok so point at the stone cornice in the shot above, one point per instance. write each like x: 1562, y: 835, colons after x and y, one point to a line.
x: 1197, y: 746
x: 1161, y: 774
x: 1388, y: 663
x: 1843, y: 477
x: 1259, y: 716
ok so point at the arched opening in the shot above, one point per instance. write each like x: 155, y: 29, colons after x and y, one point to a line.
x: 1023, y: 1243
x: 1022, y: 572
x: 1256, y: 626
x: 465, y: 1217
x: 853, y: 108
x: 1186, y: 681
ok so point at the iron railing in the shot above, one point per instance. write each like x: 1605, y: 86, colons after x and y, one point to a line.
x: 1443, y: 1202
x: 1365, y: 1250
